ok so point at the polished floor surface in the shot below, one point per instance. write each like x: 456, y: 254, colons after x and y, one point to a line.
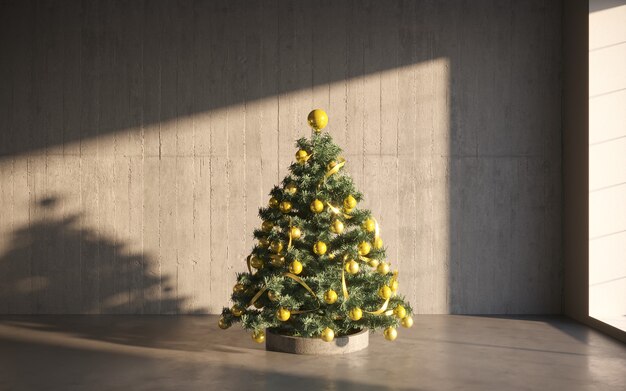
x: 190, y: 353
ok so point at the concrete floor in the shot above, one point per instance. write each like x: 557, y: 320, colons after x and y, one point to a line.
x: 188, y: 353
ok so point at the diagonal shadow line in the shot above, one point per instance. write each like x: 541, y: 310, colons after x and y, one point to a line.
x: 504, y: 347
x: 92, y: 69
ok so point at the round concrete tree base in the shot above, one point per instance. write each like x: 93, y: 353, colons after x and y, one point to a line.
x: 299, y: 345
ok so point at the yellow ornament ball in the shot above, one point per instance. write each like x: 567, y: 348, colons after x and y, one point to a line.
x: 295, y: 267
x: 336, y: 226
x: 383, y: 268
x: 320, y: 248
x: 378, y: 243
x: 394, y: 286
x: 285, y: 206
x: 267, y: 226
x: 277, y: 261
x: 264, y: 243
x: 291, y: 188
x: 407, y: 322
x: 302, y: 156
x: 317, y: 119
x: 283, y: 314
x: 355, y: 314
x: 364, y: 248
x: 272, y: 295
x: 352, y: 267
x: 256, y: 262
x: 222, y: 324
x: 390, y: 334
x: 295, y: 232
x: 327, y: 334
x: 399, y: 312
x: 236, y: 310
x: 258, y: 336
x: 276, y: 247
x: 369, y: 225
x: 384, y: 292
x: 349, y: 202
x: 238, y: 289
x: 373, y: 263
x: 330, y: 296
x: 317, y: 206
x: 258, y: 305
x: 273, y: 202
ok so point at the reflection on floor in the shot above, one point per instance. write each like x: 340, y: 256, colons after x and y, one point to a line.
x: 187, y: 353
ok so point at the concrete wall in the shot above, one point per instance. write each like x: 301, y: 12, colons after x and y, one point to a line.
x: 139, y: 139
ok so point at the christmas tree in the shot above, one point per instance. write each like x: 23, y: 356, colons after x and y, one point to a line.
x: 319, y: 267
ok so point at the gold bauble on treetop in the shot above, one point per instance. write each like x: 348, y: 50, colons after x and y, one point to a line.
x: 317, y: 119
x: 314, y: 218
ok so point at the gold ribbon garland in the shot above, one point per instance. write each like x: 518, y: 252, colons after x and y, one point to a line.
x: 335, y: 169
x: 376, y: 229
x: 248, y: 263
x: 344, y: 287
x: 308, y: 288
x: 336, y: 211
x: 340, y: 163
x: 256, y: 297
